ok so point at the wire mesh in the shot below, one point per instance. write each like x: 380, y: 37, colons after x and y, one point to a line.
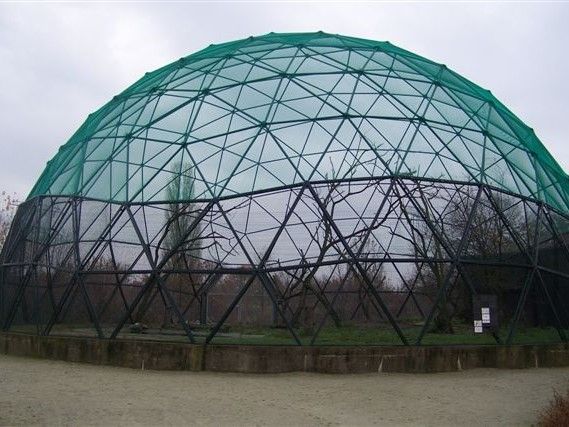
x: 295, y: 189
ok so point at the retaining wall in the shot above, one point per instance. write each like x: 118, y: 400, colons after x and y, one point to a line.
x: 145, y: 354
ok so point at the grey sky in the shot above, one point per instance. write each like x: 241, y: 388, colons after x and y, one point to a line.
x: 59, y: 62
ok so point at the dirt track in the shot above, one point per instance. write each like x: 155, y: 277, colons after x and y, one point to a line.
x: 48, y: 392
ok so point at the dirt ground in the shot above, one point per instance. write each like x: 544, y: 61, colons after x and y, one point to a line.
x: 49, y: 392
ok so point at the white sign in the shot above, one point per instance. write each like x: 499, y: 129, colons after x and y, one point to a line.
x: 478, y: 327
x: 485, y: 314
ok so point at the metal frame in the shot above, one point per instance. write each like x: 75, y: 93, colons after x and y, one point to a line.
x: 398, y: 211
x: 334, y: 179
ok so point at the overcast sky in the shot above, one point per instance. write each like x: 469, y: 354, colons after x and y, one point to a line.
x: 59, y: 62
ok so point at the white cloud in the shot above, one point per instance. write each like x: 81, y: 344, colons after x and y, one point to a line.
x: 59, y: 62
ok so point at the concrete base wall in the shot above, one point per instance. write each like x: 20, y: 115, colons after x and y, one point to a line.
x: 143, y: 354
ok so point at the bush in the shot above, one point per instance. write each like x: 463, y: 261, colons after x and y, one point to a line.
x: 557, y: 413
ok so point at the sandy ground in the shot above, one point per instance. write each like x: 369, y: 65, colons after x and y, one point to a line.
x: 49, y: 392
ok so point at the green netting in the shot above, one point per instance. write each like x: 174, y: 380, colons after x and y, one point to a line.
x: 281, y: 109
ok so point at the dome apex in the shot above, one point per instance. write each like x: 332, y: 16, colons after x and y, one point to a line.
x: 236, y: 112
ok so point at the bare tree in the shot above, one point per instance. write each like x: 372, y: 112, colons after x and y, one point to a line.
x: 439, y: 223
x: 181, y: 237
x: 180, y: 234
x: 375, y: 271
x: 304, y: 284
x: 8, y: 205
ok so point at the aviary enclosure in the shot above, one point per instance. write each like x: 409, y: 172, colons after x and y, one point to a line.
x: 295, y: 189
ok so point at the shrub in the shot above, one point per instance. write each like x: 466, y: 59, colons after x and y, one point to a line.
x: 557, y: 413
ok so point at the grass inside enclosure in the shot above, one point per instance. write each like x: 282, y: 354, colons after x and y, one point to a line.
x: 352, y: 335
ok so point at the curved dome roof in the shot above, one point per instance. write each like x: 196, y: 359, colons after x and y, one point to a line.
x: 280, y: 109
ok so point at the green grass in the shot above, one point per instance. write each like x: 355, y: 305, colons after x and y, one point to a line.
x: 362, y: 335
x: 352, y: 335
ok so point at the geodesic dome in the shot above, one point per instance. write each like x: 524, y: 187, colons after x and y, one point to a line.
x: 300, y: 182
